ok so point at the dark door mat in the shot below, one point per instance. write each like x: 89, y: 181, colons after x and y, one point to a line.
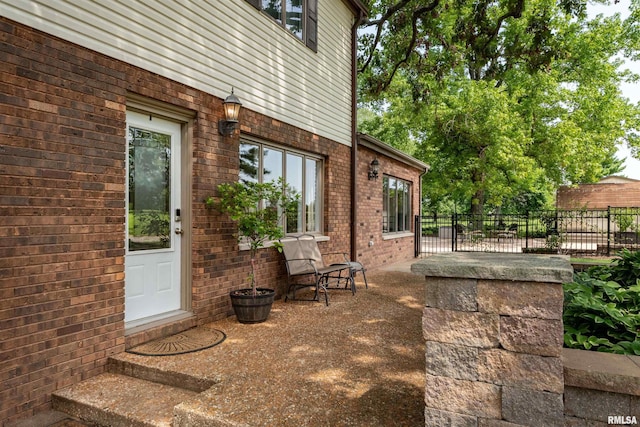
x: 194, y: 339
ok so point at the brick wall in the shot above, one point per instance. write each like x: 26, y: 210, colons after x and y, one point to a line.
x: 599, y: 196
x: 61, y: 216
x: 62, y: 209
x: 384, y: 250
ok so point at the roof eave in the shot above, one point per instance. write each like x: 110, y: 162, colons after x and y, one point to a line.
x: 358, y: 6
x: 385, y: 149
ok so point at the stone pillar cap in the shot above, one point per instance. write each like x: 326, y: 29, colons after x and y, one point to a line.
x: 497, y: 266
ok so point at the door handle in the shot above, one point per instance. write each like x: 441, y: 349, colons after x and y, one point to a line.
x: 179, y: 231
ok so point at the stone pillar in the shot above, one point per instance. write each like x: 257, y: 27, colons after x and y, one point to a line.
x: 494, y: 335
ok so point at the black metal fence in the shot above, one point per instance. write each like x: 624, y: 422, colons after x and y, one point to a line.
x: 582, y: 232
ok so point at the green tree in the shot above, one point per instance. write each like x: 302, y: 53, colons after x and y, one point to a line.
x: 502, y: 98
x: 612, y: 166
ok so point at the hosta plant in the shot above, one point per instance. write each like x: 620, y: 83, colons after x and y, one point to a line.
x: 602, y: 307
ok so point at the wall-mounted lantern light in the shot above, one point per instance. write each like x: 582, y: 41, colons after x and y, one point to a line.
x: 373, y: 169
x: 231, y: 107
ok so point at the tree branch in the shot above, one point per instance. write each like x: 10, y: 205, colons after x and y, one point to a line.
x: 513, y: 13
x: 379, y: 23
x: 393, y: 9
x: 410, y: 47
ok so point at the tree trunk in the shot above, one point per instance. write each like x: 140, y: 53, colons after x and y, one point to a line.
x: 253, y: 275
x: 477, y: 201
x: 477, y: 207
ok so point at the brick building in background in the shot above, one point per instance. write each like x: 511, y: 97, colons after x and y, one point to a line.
x: 110, y: 142
x: 613, y: 191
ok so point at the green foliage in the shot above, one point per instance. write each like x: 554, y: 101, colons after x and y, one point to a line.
x: 553, y: 241
x: 613, y: 166
x: 259, y: 210
x: 391, y: 129
x: 527, y: 201
x: 623, y: 269
x: 626, y: 218
x: 476, y: 144
x: 601, y: 307
x: 500, y: 99
x: 155, y: 223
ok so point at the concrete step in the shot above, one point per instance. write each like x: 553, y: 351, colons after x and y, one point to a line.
x: 134, y: 366
x: 48, y: 418
x: 118, y: 400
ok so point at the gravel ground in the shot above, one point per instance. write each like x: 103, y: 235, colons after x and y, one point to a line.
x: 358, y: 362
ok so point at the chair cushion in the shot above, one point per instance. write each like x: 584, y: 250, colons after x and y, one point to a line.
x: 356, y: 266
x: 302, y: 254
x: 310, y: 249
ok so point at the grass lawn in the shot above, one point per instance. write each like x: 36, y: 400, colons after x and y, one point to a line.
x: 590, y: 260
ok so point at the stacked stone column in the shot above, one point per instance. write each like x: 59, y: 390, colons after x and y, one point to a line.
x: 493, y: 330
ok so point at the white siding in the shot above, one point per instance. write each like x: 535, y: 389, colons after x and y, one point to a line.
x: 213, y: 45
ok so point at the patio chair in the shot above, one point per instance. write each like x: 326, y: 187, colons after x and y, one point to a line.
x: 509, y: 233
x: 306, y: 268
x: 357, y: 267
x: 463, y: 233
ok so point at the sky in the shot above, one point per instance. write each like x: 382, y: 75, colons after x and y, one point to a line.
x: 631, y: 91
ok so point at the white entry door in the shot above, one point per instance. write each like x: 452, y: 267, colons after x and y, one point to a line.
x: 152, y: 260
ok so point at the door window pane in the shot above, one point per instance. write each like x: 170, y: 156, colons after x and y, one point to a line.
x: 149, y: 204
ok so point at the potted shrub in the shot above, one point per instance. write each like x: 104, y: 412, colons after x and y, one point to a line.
x: 258, y: 209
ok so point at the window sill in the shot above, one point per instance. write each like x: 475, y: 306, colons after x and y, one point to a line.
x: 319, y: 238
x: 401, y: 235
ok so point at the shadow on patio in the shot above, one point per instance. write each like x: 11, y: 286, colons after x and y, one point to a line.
x: 358, y: 362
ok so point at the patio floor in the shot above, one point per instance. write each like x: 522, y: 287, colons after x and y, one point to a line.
x: 358, y: 362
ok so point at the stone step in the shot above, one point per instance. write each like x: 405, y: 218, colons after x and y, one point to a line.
x: 134, y: 366
x: 116, y: 400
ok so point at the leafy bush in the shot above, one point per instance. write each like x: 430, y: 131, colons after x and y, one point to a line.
x: 625, y: 269
x: 430, y: 231
x: 626, y: 218
x: 259, y: 209
x: 601, y: 307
